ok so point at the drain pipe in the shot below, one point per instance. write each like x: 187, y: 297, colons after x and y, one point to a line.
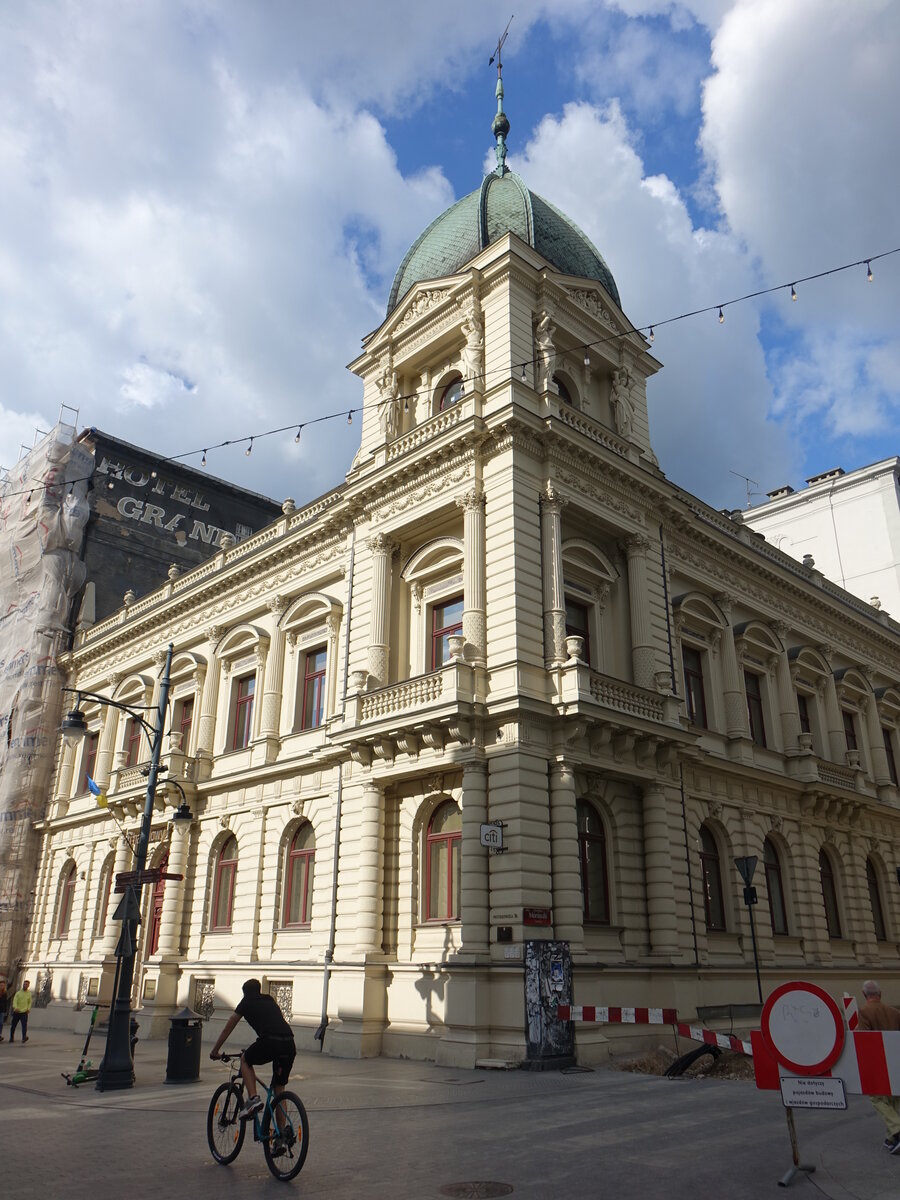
x: 319, y: 1034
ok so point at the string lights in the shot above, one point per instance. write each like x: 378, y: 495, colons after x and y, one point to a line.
x: 648, y: 329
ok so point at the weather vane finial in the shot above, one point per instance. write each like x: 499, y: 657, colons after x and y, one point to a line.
x: 500, y: 123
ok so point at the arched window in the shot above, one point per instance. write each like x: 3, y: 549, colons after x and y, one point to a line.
x: 442, y: 845
x: 592, y: 856
x: 103, y: 894
x: 223, y: 885
x: 452, y: 394
x: 66, y: 896
x: 829, y: 896
x: 775, y: 888
x: 298, y: 877
x: 875, y: 901
x: 564, y: 394
x: 711, y: 874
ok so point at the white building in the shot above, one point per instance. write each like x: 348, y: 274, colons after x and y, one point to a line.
x: 848, y: 522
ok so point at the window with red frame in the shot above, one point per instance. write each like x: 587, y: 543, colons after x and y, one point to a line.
x: 849, y: 729
x: 223, y: 885
x: 775, y: 888
x: 89, y: 760
x: 755, y: 708
x: 829, y: 896
x: 66, y: 896
x: 298, y: 875
x: 592, y: 856
x: 184, y: 719
x: 242, y: 729
x: 157, y: 907
x: 875, y: 901
x: 103, y: 895
x: 442, y: 849
x: 577, y: 625
x: 133, y: 734
x: 803, y: 713
x: 446, y: 619
x: 312, y: 704
x: 711, y: 873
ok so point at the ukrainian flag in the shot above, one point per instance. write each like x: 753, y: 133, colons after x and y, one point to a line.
x: 96, y: 790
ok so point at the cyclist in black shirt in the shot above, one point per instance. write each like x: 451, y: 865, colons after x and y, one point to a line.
x: 274, y: 1042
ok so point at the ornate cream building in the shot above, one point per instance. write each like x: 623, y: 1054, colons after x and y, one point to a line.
x: 505, y: 614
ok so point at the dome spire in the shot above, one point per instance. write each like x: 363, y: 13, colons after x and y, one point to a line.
x: 500, y: 123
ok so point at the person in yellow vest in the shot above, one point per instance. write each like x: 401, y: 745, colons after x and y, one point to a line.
x: 875, y: 1014
x: 21, y: 1007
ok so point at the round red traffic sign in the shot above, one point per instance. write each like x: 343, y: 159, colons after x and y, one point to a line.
x: 803, y: 1027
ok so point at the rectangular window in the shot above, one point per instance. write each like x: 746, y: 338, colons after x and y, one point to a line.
x: 242, y: 729
x: 695, y: 696
x: 88, y: 759
x: 889, y: 751
x: 446, y: 619
x: 133, y: 735
x: 803, y: 710
x: 849, y: 729
x: 312, y: 709
x: 577, y: 625
x: 755, y: 708
x: 184, y: 719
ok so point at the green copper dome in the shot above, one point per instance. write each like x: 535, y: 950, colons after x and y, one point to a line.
x: 503, y: 204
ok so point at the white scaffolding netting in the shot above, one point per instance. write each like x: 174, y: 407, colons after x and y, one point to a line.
x: 43, y: 513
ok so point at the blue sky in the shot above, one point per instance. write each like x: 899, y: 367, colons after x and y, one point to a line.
x: 205, y: 201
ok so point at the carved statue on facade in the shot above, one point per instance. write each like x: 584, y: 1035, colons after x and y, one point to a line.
x: 621, y: 401
x: 473, y: 351
x: 389, y: 404
x: 543, y: 339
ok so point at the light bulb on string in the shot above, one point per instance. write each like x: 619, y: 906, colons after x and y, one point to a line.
x: 249, y: 449
x: 721, y: 316
x: 587, y: 358
x: 462, y: 387
x: 652, y: 336
x: 406, y: 404
x: 524, y: 374
x: 793, y: 292
x: 350, y: 417
x: 203, y: 459
x: 869, y: 275
x: 297, y: 434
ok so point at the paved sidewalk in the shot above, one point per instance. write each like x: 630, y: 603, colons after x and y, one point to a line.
x: 384, y: 1128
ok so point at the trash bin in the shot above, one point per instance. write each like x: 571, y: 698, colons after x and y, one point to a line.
x: 185, y: 1038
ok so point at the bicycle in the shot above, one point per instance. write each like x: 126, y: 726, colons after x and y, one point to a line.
x: 281, y: 1125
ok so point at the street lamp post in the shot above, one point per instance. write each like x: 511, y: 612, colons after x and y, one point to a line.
x: 746, y: 866
x: 117, y: 1068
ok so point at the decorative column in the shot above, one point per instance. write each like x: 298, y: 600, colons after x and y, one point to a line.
x: 382, y: 549
x: 643, y: 656
x: 474, y: 899
x: 660, y: 885
x: 552, y: 504
x: 66, y: 770
x: 106, y: 745
x: 837, y: 738
x: 787, y: 701
x: 878, y: 759
x: 474, y: 595
x: 565, y: 869
x: 206, y: 726
x: 270, y: 715
x: 737, y: 720
x: 173, y: 902
x: 370, y: 871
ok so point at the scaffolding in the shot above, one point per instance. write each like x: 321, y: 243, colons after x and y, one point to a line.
x: 43, y: 513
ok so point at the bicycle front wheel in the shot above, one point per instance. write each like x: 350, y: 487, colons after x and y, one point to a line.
x: 224, y: 1128
x: 285, y: 1136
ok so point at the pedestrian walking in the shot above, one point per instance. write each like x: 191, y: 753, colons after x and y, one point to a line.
x: 874, y: 1014
x: 21, y: 1007
x: 4, y: 1005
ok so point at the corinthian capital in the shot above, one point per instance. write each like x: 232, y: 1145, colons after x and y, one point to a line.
x: 473, y: 499
x: 552, y: 501
x: 380, y: 543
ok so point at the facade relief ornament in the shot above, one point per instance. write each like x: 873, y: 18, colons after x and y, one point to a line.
x: 225, y: 821
x: 297, y: 808
x: 591, y: 302
x: 423, y: 303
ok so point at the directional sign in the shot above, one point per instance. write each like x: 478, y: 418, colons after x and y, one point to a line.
x: 126, y: 879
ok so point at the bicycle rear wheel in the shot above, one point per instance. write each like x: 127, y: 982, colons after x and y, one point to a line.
x: 285, y: 1136
x: 224, y: 1128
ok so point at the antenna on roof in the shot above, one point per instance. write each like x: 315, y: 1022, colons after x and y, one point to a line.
x: 500, y: 123
x: 747, y: 481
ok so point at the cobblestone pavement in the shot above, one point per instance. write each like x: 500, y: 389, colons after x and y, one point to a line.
x: 385, y: 1128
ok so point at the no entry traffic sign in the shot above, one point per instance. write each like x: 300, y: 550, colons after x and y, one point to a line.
x: 803, y: 1028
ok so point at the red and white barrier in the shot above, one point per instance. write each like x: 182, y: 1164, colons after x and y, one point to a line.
x: 869, y: 1064
x: 851, y: 1012
x: 724, y: 1041
x: 617, y: 1016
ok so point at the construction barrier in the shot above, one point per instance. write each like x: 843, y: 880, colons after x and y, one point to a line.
x: 600, y: 1015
